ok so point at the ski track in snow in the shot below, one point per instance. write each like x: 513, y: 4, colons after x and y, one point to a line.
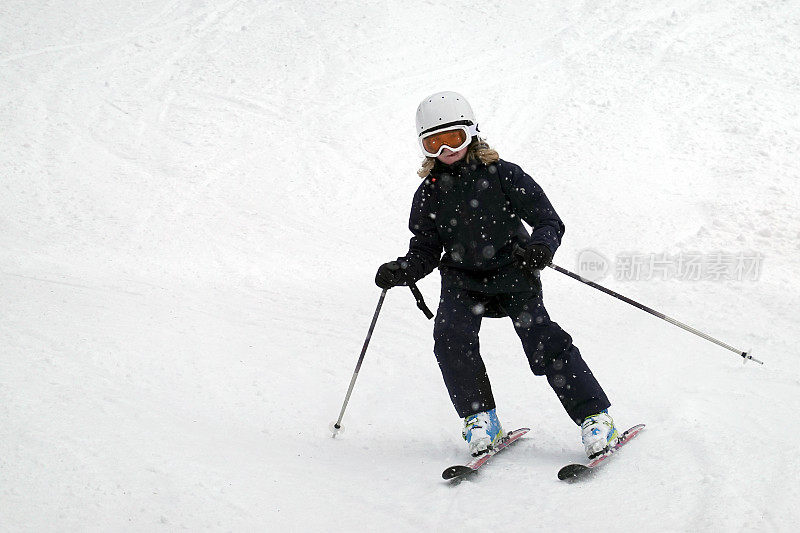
x: 194, y: 197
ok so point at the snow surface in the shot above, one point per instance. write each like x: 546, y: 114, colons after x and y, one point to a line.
x: 195, y: 195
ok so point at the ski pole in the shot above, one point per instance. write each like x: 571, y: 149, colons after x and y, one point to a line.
x: 745, y: 354
x: 336, y: 427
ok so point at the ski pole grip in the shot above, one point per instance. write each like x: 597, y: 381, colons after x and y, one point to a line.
x: 420, y: 300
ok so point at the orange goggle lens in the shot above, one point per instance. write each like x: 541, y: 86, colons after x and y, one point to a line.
x: 454, y: 139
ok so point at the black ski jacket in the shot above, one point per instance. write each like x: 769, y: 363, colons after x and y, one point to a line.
x: 473, y: 213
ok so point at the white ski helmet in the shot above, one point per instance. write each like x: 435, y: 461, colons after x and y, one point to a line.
x: 442, y: 112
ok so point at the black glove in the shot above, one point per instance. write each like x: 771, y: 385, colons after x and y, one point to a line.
x: 389, y: 275
x: 534, y: 257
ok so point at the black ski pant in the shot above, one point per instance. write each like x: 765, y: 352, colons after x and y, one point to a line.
x: 549, y: 350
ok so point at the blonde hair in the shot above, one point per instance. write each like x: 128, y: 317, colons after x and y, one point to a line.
x: 477, y: 150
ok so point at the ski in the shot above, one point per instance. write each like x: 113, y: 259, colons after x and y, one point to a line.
x: 459, y: 471
x: 577, y: 471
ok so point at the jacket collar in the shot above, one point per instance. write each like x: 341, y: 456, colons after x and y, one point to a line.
x: 442, y: 168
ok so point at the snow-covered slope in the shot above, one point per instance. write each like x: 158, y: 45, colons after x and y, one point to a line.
x: 194, y: 197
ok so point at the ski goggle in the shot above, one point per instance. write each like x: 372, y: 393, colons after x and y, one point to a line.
x: 454, y: 137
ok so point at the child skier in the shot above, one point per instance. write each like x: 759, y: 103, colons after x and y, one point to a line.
x: 470, y: 206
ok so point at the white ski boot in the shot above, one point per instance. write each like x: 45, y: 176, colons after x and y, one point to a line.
x: 482, y: 431
x: 598, y: 434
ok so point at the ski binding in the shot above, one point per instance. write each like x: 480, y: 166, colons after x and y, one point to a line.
x: 576, y: 471
x: 459, y: 471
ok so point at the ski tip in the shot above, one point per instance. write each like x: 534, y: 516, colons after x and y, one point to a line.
x: 633, y: 431
x: 572, y: 471
x: 456, y: 472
